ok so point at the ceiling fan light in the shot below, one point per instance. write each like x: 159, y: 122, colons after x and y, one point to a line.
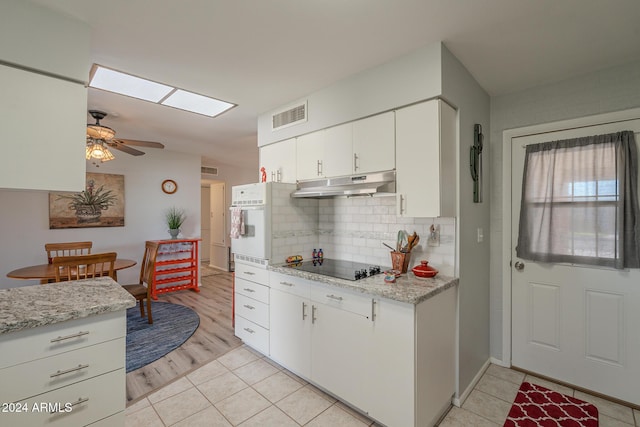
x: 100, y: 132
x: 97, y: 150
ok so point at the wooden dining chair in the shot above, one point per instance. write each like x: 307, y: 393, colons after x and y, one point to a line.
x: 89, y: 266
x: 141, y: 291
x: 67, y: 249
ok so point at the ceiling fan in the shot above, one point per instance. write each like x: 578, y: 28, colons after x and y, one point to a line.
x: 98, y: 136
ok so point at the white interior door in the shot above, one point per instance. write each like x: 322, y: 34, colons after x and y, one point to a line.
x: 205, y: 224
x: 218, y: 253
x: 574, y: 323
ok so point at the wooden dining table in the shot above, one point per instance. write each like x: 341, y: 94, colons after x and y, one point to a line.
x: 46, y: 272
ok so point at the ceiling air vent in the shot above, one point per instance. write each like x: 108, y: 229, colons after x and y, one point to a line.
x: 289, y: 117
x: 208, y: 170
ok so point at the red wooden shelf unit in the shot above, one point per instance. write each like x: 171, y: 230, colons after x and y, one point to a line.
x: 176, y: 266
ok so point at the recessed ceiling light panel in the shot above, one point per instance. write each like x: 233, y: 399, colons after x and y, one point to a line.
x: 196, y: 103
x: 147, y: 90
x: 126, y: 84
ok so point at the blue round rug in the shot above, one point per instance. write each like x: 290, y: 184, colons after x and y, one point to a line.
x: 172, y: 325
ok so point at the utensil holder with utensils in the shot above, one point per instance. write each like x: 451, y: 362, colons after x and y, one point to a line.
x: 400, y: 261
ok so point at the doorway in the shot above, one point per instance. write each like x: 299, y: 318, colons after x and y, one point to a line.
x: 572, y: 323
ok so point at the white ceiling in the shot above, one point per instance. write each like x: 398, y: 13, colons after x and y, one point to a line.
x: 261, y: 54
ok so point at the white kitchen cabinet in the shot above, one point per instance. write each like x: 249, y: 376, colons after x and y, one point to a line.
x: 279, y: 161
x: 43, y: 117
x: 339, y: 344
x: 325, y: 153
x: 309, y: 155
x: 426, y: 172
x: 374, y: 143
x: 391, y: 360
x: 80, y: 362
x: 251, y: 306
x: 290, y: 320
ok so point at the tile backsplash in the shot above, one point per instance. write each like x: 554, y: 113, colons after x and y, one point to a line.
x: 355, y: 228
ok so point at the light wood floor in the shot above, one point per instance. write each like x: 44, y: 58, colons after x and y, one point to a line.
x: 213, y: 338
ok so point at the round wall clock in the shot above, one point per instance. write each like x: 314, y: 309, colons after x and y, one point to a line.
x: 169, y: 186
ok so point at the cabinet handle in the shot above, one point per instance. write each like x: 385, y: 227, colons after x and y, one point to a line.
x: 251, y: 331
x: 401, y: 204
x: 355, y: 162
x: 287, y: 284
x: 319, y: 167
x: 273, y: 174
x: 279, y: 175
x: 68, y: 371
x: 333, y: 297
x: 304, y: 315
x: 250, y: 307
x: 373, y: 309
x: 249, y: 273
x: 68, y: 337
x: 77, y: 402
x: 313, y: 314
x: 249, y: 290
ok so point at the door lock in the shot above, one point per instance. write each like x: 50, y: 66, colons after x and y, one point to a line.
x: 519, y: 265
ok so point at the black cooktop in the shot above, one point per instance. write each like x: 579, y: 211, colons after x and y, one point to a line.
x: 348, y: 270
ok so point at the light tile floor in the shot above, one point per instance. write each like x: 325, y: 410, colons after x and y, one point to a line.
x: 244, y: 388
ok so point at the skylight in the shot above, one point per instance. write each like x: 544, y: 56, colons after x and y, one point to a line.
x: 147, y: 90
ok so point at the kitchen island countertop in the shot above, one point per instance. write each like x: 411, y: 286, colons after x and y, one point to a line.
x: 40, y: 305
x: 408, y: 288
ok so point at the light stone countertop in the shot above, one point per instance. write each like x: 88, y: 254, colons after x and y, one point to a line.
x: 40, y: 305
x: 408, y: 288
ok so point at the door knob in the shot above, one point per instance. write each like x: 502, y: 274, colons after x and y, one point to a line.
x: 519, y: 265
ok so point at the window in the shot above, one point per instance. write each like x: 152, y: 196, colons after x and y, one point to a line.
x: 580, y: 203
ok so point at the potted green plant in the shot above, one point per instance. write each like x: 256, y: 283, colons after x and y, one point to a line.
x: 90, y: 203
x: 175, y: 218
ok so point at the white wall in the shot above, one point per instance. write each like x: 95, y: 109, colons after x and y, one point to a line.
x: 608, y: 90
x: 24, y: 215
x: 461, y: 89
x: 411, y: 78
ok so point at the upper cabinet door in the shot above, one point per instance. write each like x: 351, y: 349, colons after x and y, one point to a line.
x: 43, y: 132
x: 374, y: 143
x: 425, y: 160
x: 309, y: 155
x: 337, y: 151
x: 279, y: 161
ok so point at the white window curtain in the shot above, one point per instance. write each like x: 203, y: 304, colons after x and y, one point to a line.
x: 580, y: 202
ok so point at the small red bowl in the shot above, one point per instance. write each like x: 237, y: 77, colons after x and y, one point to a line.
x: 423, y: 270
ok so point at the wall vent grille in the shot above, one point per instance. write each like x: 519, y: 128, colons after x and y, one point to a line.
x: 208, y: 170
x: 289, y: 117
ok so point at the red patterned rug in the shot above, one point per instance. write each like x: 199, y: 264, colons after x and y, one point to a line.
x: 538, y: 406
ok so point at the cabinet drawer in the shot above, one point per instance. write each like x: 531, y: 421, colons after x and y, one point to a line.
x: 89, y: 401
x: 43, y: 375
x: 290, y: 284
x: 113, y: 420
x: 339, y: 298
x: 254, y: 274
x: 45, y: 341
x: 253, y: 335
x: 255, y: 311
x: 252, y: 290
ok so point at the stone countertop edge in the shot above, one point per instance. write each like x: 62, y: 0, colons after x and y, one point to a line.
x: 40, y: 305
x: 407, y: 289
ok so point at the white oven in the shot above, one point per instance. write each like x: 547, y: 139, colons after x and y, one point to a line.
x: 255, y: 239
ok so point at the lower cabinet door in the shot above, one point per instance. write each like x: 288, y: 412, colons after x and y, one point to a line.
x: 252, y: 334
x: 339, y: 356
x: 290, y: 337
x: 76, y: 405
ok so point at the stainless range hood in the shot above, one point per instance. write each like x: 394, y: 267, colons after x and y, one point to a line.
x: 354, y: 185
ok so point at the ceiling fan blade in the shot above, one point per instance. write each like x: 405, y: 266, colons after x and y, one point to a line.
x: 125, y: 148
x: 149, y: 144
